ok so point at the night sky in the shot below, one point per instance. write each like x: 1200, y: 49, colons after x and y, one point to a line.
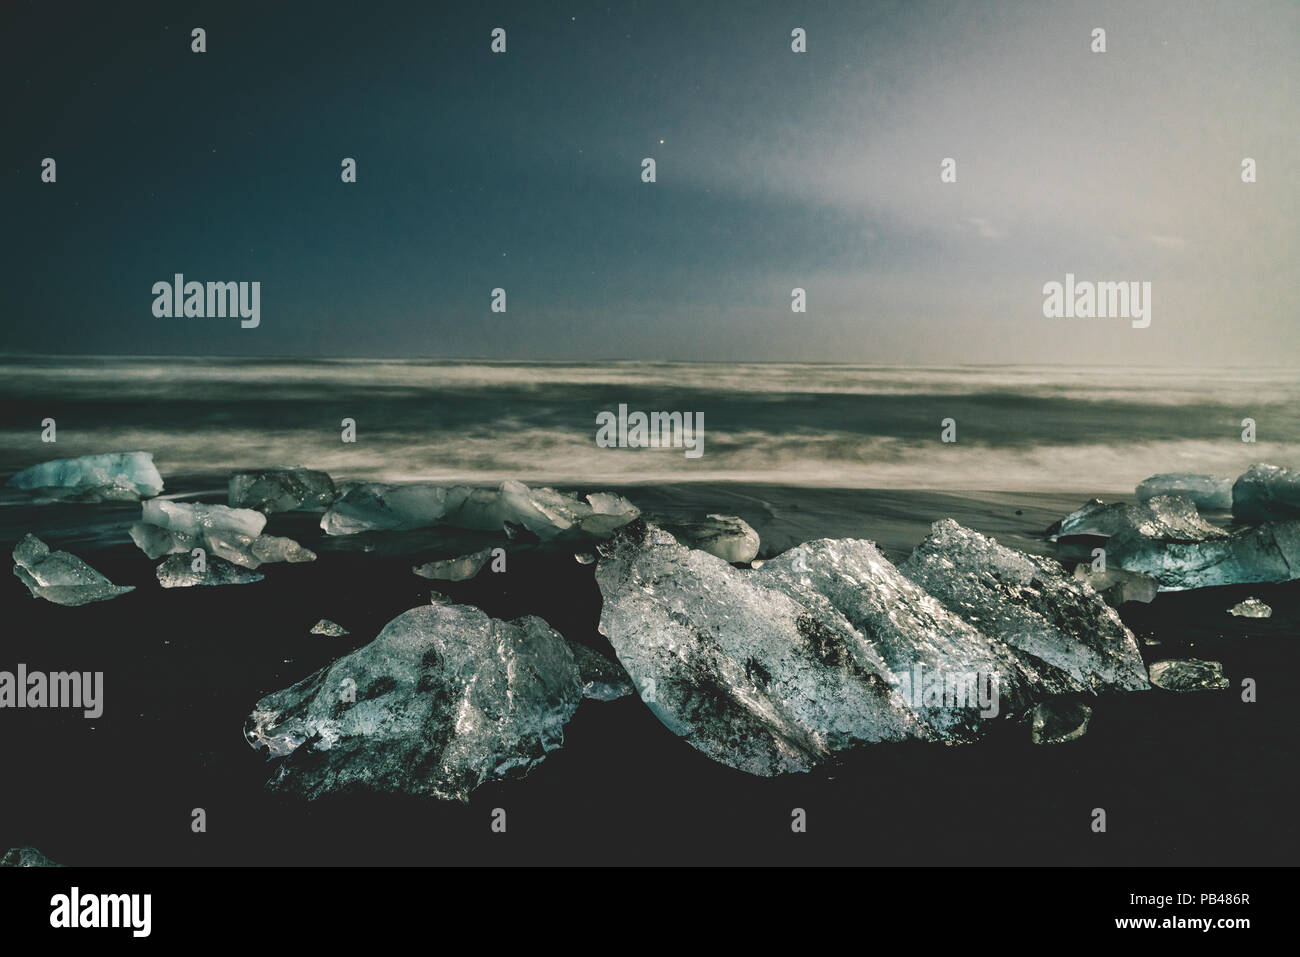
x: 774, y: 170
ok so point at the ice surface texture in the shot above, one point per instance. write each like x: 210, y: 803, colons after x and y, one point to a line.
x: 775, y: 669
x: 281, y: 490
x: 443, y: 700
x: 113, y: 477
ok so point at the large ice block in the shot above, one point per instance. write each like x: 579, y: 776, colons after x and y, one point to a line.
x: 112, y: 477
x: 442, y: 701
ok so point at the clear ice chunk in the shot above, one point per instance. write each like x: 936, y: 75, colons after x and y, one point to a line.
x: 195, y: 519
x: 61, y: 577
x: 1190, y: 674
x: 1117, y: 586
x: 178, y: 572
x: 1029, y: 603
x: 281, y: 490
x: 234, y: 534
x: 1266, y: 553
x: 443, y: 700
x: 602, y: 679
x: 112, y: 477
x: 1163, y: 517
x: 1251, y: 608
x: 454, y: 569
x: 1265, y: 492
x: 1056, y: 722
x: 157, y: 542
x: 729, y: 537
x: 544, y: 512
x: 828, y: 646
x: 329, y: 629
x: 1203, y: 491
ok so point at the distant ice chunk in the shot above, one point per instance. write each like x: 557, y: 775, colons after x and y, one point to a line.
x: 443, y: 700
x: 1029, y: 603
x: 512, y: 506
x: 1267, y: 553
x: 1116, y: 586
x: 178, y: 572
x: 281, y: 490
x: 329, y: 629
x: 367, y: 507
x: 1203, y: 491
x: 1163, y: 517
x: 1265, y: 492
x: 276, y: 548
x: 1191, y: 674
x: 61, y: 577
x: 112, y: 477
x: 454, y: 569
x: 1056, y: 722
x: 729, y: 537
x: 1251, y: 608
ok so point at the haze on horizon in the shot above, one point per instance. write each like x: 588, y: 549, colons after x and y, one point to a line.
x: 776, y: 170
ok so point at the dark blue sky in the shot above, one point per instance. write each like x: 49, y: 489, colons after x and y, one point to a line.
x: 776, y: 170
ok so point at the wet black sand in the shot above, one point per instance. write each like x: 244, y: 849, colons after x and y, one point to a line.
x: 1185, y: 779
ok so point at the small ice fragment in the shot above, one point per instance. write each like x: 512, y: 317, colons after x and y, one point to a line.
x: 1251, y: 608
x: 1117, y: 586
x: 602, y: 679
x: 178, y: 572
x: 454, y: 569
x: 584, y: 558
x: 61, y: 577
x: 1190, y: 674
x: 276, y: 548
x: 112, y: 477
x: 329, y: 629
x: 1056, y: 722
